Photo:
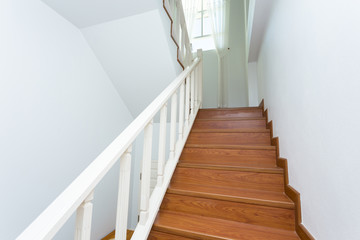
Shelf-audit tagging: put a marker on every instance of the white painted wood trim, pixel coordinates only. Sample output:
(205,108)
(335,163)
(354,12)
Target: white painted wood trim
(123,196)
(146,174)
(47,224)
(173,125)
(83,219)
(162,145)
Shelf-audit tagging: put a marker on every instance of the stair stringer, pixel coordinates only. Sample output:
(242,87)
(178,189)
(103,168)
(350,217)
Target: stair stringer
(291,192)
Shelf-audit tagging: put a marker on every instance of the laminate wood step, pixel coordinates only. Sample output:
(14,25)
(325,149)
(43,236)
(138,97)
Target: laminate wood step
(262,158)
(251,196)
(235,211)
(230,123)
(228,146)
(233,168)
(233,130)
(229,113)
(211,228)
(226,178)
(155,235)
(240,138)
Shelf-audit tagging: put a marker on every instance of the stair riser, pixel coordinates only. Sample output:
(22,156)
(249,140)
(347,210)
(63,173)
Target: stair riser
(230,138)
(231,157)
(205,114)
(235,179)
(234,211)
(213,124)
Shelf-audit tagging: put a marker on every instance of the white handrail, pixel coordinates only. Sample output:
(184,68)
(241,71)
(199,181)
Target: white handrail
(179,32)
(79,192)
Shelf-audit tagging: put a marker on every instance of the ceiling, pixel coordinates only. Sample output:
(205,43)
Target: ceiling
(84,13)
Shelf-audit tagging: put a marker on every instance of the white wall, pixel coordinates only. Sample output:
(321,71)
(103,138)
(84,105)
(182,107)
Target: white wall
(309,76)
(59,110)
(237,89)
(136,55)
(210,79)
(252,84)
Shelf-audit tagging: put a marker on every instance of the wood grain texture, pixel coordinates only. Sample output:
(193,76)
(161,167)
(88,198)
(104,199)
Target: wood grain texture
(252,180)
(251,196)
(229,113)
(229,123)
(211,228)
(247,138)
(235,211)
(155,235)
(111,235)
(229,157)
(233,168)
(223,146)
(229,182)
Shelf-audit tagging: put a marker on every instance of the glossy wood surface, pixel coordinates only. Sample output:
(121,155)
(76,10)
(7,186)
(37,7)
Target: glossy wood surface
(229,123)
(227,184)
(224,178)
(201,227)
(228,210)
(233,138)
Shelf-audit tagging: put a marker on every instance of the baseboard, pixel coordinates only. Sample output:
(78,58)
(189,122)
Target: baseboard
(294,195)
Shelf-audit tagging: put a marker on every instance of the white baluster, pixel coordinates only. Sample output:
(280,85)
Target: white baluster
(187,100)
(145,174)
(200,76)
(123,196)
(173,125)
(83,219)
(181,112)
(162,145)
(196,87)
(192,92)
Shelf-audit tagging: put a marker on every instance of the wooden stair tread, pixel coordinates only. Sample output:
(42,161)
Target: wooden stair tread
(226,178)
(265,198)
(229,146)
(230,123)
(212,228)
(230,119)
(225,113)
(234,157)
(156,235)
(234,130)
(233,109)
(225,138)
(233,168)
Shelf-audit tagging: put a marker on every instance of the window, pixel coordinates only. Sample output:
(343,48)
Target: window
(201,33)
(202,24)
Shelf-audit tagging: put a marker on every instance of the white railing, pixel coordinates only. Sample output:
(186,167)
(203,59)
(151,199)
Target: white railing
(179,31)
(79,195)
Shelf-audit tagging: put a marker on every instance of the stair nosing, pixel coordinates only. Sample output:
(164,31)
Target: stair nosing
(274,170)
(227,146)
(238,130)
(231,109)
(230,119)
(201,234)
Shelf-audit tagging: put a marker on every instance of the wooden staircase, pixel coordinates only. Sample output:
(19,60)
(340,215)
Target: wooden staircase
(227,184)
